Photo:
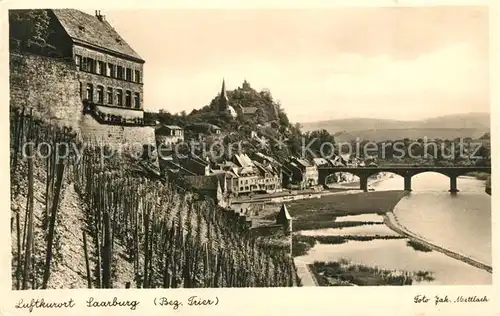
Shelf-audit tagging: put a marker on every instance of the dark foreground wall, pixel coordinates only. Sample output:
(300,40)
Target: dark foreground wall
(47,85)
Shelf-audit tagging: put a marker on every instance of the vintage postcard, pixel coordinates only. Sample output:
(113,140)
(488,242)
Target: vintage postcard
(326,160)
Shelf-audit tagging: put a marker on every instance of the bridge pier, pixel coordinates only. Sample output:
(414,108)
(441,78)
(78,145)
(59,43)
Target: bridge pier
(405,171)
(453,184)
(363,181)
(408,183)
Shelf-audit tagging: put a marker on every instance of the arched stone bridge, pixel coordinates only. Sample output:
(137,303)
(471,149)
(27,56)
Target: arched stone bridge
(406,172)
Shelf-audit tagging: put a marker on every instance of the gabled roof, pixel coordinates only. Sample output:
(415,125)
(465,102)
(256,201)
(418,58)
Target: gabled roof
(174,167)
(261,168)
(336,161)
(346,157)
(87,29)
(224,173)
(249,110)
(205,127)
(199,159)
(164,128)
(303,162)
(172,126)
(265,169)
(249,171)
(266,158)
(243,160)
(320,161)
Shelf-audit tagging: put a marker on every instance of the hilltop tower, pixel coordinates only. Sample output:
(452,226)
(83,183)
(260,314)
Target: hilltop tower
(246,85)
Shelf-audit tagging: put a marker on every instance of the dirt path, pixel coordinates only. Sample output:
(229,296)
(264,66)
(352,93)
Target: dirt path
(69,270)
(305,274)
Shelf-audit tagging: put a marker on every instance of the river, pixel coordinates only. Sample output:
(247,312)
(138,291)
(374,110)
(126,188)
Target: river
(460,223)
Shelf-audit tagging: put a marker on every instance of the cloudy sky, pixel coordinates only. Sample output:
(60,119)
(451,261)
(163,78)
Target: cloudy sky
(401,63)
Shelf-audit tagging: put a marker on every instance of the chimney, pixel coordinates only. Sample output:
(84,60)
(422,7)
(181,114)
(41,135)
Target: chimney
(99,16)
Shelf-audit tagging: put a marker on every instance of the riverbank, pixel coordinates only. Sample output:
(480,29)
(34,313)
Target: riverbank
(357,238)
(392,222)
(345,273)
(355,184)
(325,213)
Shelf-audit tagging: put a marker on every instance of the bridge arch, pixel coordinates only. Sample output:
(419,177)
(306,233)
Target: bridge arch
(417,172)
(407,172)
(333,175)
(399,177)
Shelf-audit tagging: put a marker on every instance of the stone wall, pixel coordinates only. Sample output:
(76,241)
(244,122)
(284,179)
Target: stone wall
(47,85)
(50,87)
(116,134)
(267,230)
(125,113)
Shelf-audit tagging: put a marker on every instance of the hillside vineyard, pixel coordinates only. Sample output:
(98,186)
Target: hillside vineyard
(128,229)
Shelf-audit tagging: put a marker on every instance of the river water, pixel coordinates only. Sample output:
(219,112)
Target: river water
(461,223)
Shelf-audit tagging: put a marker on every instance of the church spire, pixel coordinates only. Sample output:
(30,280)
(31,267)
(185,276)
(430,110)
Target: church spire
(223,99)
(223,90)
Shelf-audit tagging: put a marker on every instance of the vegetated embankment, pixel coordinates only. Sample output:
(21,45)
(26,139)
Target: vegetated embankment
(392,222)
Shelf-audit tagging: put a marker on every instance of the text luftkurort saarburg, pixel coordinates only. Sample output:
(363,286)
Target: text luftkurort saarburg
(92,302)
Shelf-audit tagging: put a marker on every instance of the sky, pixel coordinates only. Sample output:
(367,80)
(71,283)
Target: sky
(392,63)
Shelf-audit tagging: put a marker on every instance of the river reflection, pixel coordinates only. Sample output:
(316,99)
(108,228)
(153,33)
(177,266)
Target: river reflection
(364,230)
(461,223)
(396,255)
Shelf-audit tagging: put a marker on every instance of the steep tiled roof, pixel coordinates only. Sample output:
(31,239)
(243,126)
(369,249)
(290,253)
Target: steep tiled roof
(249,110)
(303,162)
(206,127)
(199,160)
(320,161)
(265,169)
(346,157)
(88,29)
(283,214)
(243,160)
(172,126)
(162,128)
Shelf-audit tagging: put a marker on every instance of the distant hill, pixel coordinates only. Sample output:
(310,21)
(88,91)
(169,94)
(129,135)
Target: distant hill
(445,127)
(413,133)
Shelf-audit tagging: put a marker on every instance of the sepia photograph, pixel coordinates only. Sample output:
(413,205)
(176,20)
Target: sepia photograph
(250,148)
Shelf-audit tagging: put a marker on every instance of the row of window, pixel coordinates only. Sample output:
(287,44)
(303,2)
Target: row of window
(256,180)
(113,96)
(176,132)
(266,187)
(107,69)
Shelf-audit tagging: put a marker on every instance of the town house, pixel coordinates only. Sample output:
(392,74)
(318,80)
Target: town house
(248,174)
(168,134)
(110,72)
(304,173)
(269,180)
(194,164)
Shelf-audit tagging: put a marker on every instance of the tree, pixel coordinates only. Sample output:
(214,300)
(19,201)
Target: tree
(29,25)
(485,136)
(323,143)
